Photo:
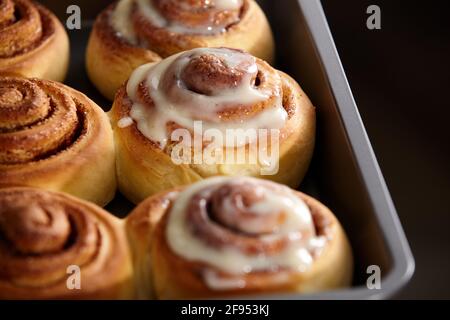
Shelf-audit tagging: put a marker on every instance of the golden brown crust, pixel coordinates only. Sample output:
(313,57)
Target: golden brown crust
(44,234)
(33,45)
(54,137)
(110,58)
(145,169)
(169,276)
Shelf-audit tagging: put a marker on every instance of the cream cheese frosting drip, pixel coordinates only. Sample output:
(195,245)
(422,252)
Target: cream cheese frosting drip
(189,17)
(237,226)
(214,85)
(121,20)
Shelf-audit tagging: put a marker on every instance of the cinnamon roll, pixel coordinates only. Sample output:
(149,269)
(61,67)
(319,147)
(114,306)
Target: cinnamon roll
(209,112)
(53,246)
(130,33)
(33,43)
(54,137)
(236,236)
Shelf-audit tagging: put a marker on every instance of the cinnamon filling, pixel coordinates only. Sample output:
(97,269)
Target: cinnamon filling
(226,216)
(195,13)
(150,23)
(41,235)
(24,26)
(209,75)
(37,120)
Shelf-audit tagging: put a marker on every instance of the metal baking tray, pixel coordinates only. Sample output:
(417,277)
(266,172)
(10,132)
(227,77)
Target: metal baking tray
(344,174)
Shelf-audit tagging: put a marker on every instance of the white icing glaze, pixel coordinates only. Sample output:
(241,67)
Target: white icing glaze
(227,4)
(149,11)
(296,257)
(213,280)
(152,122)
(125,122)
(122,22)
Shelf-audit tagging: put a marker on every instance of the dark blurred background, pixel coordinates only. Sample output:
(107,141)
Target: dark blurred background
(400,77)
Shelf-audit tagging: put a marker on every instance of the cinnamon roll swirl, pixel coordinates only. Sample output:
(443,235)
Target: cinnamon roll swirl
(46,237)
(54,137)
(130,33)
(233,236)
(33,43)
(209,112)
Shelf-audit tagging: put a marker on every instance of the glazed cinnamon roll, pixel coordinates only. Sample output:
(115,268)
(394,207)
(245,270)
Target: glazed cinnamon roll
(53,246)
(130,33)
(33,43)
(54,137)
(234,236)
(209,112)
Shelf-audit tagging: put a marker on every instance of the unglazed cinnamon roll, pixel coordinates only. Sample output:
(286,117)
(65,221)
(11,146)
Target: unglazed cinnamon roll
(33,43)
(130,33)
(46,237)
(54,137)
(235,236)
(209,112)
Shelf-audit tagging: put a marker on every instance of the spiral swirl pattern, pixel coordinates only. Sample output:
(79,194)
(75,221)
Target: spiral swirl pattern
(130,33)
(240,227)
(224,88)
(42,234)
(151,21)
(24,26)
(37,120)
(53,137)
